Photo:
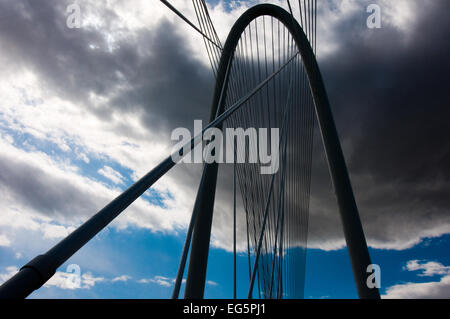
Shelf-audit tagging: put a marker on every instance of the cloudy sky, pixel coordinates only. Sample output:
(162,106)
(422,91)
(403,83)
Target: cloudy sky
(85,112)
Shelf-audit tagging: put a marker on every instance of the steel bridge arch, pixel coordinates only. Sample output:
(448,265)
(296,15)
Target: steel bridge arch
(37,271)
(353,231)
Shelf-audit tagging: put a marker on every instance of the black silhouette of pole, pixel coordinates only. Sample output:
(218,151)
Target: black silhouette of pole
(35,273)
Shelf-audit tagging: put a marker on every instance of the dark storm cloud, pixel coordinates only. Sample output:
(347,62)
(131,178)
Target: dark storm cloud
(390,95)
(34,35)
(169,87)
(50,195)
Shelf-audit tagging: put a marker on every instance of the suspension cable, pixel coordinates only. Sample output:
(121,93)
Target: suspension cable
(178,13)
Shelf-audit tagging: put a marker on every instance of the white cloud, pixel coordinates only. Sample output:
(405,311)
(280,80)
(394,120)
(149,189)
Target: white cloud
(402,14)
(71,281)
(10,271)
(435,289)
(122,278)
(167,281)
(83,157)
(159,280)
(89,280)
(430,268)
(4,241)
(428,290)
(56,231)
(111,174)
(211,283)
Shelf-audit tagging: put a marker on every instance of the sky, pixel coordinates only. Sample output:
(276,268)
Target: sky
(85,112)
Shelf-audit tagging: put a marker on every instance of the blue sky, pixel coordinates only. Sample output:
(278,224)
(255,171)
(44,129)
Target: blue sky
(132,260)
(85,112)
(143,256)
